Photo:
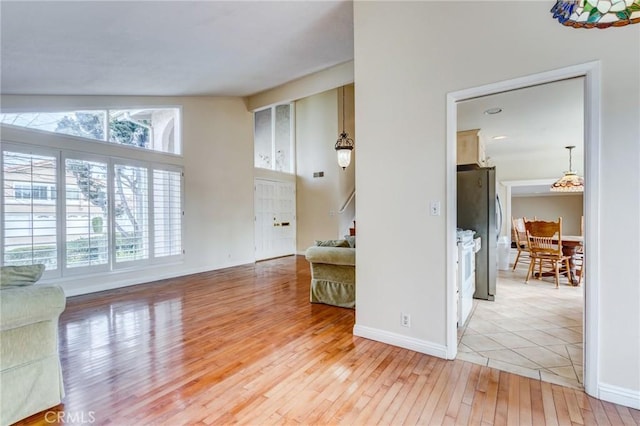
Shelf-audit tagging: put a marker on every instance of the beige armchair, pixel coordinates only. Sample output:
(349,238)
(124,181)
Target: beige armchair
(333,274)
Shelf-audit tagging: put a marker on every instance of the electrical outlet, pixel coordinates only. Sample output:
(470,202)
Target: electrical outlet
(405,320)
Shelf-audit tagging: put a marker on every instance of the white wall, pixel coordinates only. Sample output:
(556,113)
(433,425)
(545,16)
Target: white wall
(550,207)
(402,78)
(217,140)
(320,199)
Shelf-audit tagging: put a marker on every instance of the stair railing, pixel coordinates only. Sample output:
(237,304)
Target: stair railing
(347,214)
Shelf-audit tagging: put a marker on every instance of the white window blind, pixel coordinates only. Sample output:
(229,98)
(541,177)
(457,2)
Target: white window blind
(131,211)
(29,219)
(86,213)
(167,214)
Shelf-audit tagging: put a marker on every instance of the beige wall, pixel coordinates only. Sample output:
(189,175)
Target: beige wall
(569,207)
(316,198)
(217,139)
(402,78)
(320,199)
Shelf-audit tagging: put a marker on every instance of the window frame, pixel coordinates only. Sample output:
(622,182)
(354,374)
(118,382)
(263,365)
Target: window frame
(63,147)
(107,131)
(292,137)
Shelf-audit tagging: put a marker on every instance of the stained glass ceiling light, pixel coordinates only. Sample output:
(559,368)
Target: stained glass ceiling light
(596,13)
(570,182)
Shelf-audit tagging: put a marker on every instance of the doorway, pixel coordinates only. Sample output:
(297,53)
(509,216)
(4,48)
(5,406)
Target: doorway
(590,72)
(275,218)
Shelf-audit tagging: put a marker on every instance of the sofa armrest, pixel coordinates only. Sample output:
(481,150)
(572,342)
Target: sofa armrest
(332,255)
(21,306)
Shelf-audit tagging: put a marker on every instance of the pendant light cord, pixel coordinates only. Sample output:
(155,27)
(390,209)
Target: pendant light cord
(343,129)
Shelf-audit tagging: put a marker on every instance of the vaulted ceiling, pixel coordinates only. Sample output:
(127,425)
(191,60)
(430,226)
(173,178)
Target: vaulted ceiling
(224,48)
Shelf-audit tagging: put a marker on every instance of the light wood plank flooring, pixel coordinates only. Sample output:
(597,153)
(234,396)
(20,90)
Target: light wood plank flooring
(244,345)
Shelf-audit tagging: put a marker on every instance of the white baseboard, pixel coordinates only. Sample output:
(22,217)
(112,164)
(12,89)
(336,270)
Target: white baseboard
(618,395)
(400,340)
(148,277)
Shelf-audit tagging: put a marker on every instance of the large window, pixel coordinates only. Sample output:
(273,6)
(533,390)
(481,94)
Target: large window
(111,213)
(155,129)
(273,138)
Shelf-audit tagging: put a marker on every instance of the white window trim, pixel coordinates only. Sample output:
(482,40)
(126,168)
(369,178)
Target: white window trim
(61,146)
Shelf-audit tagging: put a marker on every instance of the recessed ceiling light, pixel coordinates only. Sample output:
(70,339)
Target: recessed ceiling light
(492,111)
(497,138)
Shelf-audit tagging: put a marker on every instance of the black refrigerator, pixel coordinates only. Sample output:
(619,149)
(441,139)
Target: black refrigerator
(479,210)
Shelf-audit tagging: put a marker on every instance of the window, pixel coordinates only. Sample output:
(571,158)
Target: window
(111,212)
(86,213)
(273,138)
(131,213)
(35,192)
(155,129)
(167,214)
(29,228)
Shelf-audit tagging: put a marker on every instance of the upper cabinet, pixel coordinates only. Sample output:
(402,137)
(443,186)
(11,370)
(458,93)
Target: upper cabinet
(471,148)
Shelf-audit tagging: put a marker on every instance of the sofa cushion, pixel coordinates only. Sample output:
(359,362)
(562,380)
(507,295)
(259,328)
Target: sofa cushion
(332,255)
(20,275)
(332,243)
(351,239)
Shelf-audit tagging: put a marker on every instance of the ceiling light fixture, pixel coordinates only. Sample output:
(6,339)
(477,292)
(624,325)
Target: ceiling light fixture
(596,13)
(344,145)
(498,138)
(570,182)
(493,111)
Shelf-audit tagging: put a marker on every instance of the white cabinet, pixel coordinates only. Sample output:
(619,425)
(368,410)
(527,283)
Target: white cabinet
(471,148)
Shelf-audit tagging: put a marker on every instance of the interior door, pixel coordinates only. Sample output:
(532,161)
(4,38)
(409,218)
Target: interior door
(275,218)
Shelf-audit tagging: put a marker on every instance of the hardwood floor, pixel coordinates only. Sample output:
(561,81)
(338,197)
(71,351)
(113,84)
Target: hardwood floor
(244,345)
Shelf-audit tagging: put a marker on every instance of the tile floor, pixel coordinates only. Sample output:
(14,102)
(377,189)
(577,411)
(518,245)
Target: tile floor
(534,329)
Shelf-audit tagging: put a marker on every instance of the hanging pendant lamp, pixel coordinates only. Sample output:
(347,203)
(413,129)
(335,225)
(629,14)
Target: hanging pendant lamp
(596,13)
(570,182)
(344,144)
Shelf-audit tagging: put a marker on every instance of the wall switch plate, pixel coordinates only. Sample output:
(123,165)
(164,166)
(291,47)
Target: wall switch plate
(434,208)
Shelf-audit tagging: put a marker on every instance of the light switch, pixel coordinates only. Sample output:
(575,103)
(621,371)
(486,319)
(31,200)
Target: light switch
(434,208)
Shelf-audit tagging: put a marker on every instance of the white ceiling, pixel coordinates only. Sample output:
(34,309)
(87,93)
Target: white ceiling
(225,48)
(546,117)
(236,48)
(536,124)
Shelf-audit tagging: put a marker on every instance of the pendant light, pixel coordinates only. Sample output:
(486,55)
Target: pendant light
(570,182)
(344,145)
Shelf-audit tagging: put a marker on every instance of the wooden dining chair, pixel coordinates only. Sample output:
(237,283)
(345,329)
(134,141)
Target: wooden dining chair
(545,246)
(578,258)
(519,238)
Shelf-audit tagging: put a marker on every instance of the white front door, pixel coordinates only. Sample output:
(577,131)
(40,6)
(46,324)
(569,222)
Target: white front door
(275,218)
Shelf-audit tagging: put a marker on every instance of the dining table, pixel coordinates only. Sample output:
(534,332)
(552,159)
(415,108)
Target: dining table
(570,246)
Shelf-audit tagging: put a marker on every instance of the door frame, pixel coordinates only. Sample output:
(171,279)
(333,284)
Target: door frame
(591,71)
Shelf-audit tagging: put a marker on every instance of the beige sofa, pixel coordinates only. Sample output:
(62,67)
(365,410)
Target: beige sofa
(333,274)
(30,373)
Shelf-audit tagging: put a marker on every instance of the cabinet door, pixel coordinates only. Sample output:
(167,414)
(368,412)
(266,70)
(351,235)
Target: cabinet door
(470,148)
